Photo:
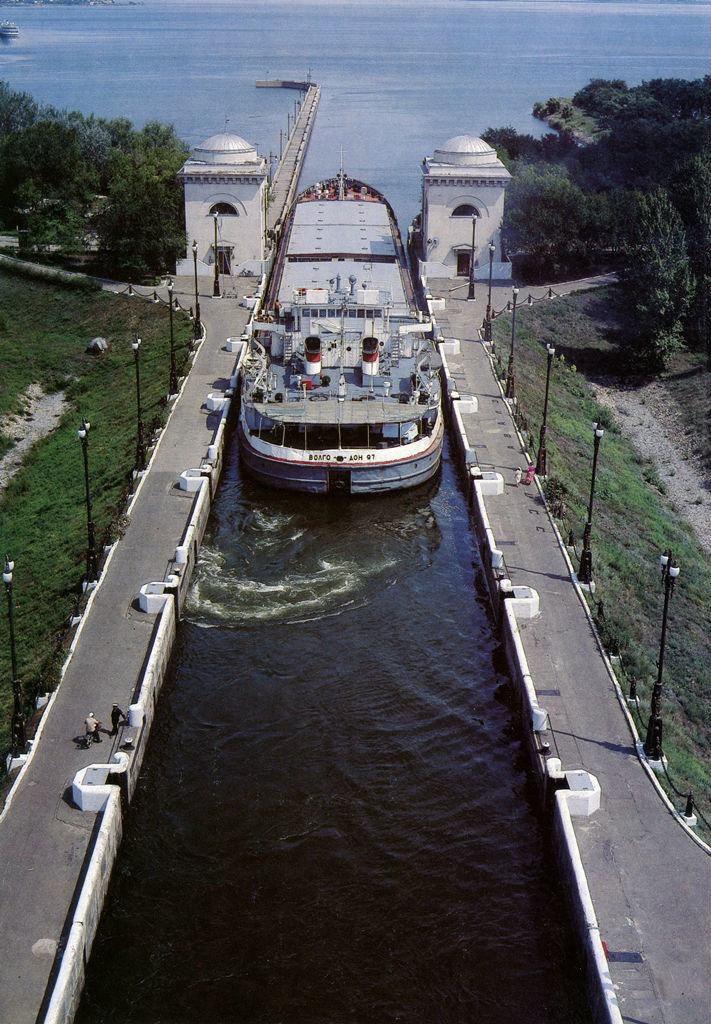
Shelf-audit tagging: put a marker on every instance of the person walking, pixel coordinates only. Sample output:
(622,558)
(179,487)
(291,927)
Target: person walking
(91,729)
(116,716)
(517,476)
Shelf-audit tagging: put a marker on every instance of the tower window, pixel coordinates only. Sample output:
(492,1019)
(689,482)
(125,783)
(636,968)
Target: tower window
(465,210)
(223,210)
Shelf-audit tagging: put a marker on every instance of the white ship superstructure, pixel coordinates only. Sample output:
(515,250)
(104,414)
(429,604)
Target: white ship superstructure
(341,386)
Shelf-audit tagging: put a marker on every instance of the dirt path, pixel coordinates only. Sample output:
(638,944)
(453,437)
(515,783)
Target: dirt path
(40,416)
(652,423)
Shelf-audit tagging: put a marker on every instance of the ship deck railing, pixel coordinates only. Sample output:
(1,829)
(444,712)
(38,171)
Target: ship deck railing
(325,411)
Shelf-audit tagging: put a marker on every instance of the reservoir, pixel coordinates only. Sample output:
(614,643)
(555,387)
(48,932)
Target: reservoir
(333,821)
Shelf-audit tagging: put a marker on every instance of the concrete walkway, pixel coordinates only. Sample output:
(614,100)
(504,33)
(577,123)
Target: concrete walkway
(649,881)
(44,839)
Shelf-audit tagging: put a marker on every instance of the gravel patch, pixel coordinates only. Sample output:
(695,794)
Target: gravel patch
(41,414)
(651,422)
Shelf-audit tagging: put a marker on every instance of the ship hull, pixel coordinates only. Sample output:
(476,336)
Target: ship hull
(323,474)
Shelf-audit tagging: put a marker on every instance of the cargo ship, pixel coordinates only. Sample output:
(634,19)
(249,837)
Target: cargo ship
(340,380)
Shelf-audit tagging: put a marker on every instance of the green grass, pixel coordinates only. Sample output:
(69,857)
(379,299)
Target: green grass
(574,119)
(632,521)
(43,336)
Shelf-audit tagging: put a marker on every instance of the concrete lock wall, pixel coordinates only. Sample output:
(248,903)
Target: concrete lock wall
(70,979)
(507,602)
(69,983)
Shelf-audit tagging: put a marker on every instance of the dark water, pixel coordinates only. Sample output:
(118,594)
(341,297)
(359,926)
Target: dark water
(398,76)
(333,822)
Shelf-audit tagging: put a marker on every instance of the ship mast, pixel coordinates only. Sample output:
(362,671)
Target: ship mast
(341,187)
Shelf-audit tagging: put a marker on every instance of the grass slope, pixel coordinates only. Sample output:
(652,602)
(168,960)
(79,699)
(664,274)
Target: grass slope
(632,521)
(44,330)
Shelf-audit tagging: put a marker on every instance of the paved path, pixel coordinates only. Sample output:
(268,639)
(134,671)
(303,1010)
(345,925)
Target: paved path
(649,881)
(44,840)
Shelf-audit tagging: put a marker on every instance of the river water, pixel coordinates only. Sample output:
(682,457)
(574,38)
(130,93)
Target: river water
(398,76)
(334,821)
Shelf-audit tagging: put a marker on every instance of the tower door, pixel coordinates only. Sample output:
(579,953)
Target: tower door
(463,259)
(224,259)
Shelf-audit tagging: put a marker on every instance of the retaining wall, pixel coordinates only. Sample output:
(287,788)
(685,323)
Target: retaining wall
(565,792)
(69,984)
(70,980)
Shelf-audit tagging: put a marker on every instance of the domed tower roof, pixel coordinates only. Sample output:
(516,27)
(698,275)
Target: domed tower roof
(465,151)
(225,148)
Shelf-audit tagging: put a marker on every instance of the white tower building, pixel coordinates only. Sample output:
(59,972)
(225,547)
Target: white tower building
(463,180)
(225,183)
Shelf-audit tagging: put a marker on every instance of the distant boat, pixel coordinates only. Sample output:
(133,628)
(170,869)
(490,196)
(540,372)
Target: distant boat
(8,29)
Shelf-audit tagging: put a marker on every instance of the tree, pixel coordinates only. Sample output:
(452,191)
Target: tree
(545,216)
(691,193)
(17,110)
(140,225)
(656,279)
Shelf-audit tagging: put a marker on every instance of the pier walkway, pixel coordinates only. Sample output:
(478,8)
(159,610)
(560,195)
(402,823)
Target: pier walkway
(649,880)
(286,177)
(44,839)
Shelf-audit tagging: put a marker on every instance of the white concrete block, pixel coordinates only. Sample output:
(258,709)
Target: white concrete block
(583,797)
(215,401)
(468,403)
(190,480)
(450,346)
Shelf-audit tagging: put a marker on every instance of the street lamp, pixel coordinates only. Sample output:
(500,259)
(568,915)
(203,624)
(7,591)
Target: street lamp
(83,435)
(173,384)
(585,570)
(510,380)
(487,322)
(196,326)
(653,742)
(140,443)
(18,713)
(471,261)
(216,282)
(542,458)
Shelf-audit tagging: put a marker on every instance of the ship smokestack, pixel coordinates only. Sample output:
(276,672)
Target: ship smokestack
(370,362)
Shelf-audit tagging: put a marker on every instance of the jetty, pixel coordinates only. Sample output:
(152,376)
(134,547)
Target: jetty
(288,172)
(637,877)
(281,83)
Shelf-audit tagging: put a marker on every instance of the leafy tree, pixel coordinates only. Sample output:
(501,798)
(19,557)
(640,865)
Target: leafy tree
(602,98)
(511,145)
(17,110)
(546,216)
(691,193)
(656,278)
(46,155)
(140,225)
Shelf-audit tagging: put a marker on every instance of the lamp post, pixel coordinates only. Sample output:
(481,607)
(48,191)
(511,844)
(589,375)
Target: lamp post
(510,379)
(216,282)
(653,742)
(470,294)
(585,570)
(542,457)
(487,323)
(197,328)
(83,435)
(18,713)
(173,383)
(140,443)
